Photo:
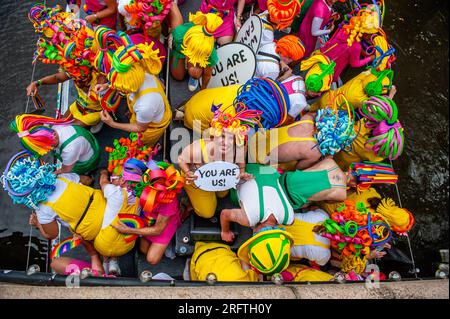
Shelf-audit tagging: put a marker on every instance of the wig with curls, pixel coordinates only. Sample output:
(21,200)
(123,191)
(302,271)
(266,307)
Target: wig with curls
(283,12)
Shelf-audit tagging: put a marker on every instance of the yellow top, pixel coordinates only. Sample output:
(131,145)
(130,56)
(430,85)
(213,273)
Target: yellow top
(71,205)
(302,233)
(304,273)
(218,259)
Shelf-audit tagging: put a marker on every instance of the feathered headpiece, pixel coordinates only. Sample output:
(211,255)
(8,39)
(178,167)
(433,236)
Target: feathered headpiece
(239,124)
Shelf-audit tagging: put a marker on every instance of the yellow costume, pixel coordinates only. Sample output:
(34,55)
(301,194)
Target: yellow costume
(308,244)
(358,151)
(354,90)
(203,202)
(155,130)
(109,242)
(87,107)
(199,106)
(85,217)
(299,273)
(218,259)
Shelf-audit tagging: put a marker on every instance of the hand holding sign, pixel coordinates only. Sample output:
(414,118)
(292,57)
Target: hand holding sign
(217,176)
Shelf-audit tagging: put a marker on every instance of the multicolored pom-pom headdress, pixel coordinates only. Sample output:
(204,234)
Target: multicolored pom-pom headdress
(387,139)
(366,21)
(28,180)
(283,12)
(238,124)
(64,40)
(335,127)
(124,63)
(143,13)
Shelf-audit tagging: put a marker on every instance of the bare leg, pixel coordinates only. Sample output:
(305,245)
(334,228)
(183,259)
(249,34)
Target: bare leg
(179,72)
(155,253)
(144,245)
(207,73)
(224,40)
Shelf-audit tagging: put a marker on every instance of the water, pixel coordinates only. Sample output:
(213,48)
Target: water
(417,29)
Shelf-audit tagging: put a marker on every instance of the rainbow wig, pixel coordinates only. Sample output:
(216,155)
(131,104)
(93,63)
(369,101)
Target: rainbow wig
(65,41)
(268,96)
(290,46)
(366,21)
(143,13)
(320,72)
(28,180)
(400,219)
(387,139)
(239,124)
(34,132)
(283,12)
(198,42)
(125,63)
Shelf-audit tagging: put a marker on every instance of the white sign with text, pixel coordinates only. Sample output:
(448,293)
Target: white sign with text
(236,65)
(250,33)
(217,176)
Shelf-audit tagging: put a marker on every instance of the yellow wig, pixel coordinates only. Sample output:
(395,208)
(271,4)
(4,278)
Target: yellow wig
(320,74)
(129,65)
(198,42)
(399,219)
(366,21)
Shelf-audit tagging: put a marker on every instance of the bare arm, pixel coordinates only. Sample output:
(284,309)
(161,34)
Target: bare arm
(65,169)
(104,179)
(47,80)
(236,215)
(127,127)
(50,230)
(174,17)
(111,9)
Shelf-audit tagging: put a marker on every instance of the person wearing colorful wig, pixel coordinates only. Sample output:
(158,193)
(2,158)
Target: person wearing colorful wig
(67,42)
(131,70)
(278,15)
(379,134)
(344,48)
(231,19)
(74,146)
(366,84)
(144,21)
(319,75)
(270,198)
(101,12)
(275,58)
(302,143)
(193,49)
(314,24)
(87,212)
(227,139)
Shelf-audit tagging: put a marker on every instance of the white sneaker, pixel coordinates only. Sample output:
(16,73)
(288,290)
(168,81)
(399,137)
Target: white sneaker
(113,267)
(186,271)
(96,128)
(192,84)
(179,116)
(105,265)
